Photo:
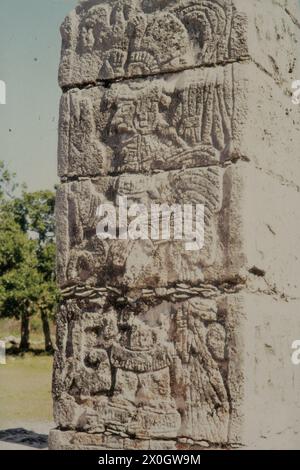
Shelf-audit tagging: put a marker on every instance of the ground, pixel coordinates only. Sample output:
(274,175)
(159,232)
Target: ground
(25,396)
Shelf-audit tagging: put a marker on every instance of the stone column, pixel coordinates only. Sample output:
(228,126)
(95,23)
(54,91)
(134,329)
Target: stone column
(159,347)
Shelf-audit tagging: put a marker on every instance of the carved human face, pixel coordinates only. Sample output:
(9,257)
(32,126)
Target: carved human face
(87,37)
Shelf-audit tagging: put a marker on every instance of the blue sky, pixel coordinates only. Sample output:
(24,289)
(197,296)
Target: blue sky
(29,56)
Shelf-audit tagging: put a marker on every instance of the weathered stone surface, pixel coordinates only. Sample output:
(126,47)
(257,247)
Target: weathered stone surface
(177,369)
(108,40)
(143,334)
(84,258)
(105,40)
(267,125)
(176,121)
(155,369)
(159,347)
(265,210)
(190,119)
(71,440)
(250,237)
(264,383)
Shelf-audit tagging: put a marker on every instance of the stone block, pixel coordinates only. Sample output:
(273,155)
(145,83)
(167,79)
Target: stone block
(191,119)
(264,382)
(251,231)
(83,258)
(190,370)
(265,214)
(141,126)
(151,369)
(106,40)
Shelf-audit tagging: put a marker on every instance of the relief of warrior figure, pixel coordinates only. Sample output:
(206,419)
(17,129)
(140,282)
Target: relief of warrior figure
(205,404)
(142,363)
(140,128)
(130,370)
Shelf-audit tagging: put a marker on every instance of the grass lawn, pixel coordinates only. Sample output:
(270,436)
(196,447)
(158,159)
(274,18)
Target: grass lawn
(25,390)
(25,380)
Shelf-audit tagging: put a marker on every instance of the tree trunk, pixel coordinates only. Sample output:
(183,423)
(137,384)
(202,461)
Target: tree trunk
(24,344)
(47,334)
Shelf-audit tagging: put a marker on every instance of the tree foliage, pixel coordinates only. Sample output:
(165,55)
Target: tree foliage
(27,256)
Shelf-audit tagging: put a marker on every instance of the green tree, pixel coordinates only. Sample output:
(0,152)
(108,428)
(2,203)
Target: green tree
(34,213)
(8,183)
(19,276)
(27,256)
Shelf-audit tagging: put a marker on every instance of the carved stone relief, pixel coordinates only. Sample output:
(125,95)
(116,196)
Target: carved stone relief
(174,103)
(150,369)
(125,38)
(178,121)
(84,258)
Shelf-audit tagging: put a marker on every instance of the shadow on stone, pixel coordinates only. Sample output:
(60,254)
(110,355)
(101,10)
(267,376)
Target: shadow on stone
(24,437)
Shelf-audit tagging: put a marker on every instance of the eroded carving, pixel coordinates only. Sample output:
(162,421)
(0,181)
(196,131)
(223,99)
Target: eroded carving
(153,339)
(145,370)
(124,38)
(141,262)
(161,124)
